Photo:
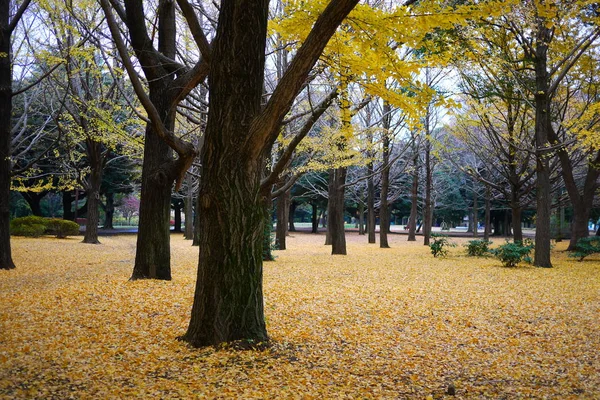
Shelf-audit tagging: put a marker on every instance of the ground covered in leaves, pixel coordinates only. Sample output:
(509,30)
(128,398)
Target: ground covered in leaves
(378,323)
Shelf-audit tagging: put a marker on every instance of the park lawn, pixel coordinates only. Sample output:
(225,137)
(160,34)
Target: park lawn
(378,323)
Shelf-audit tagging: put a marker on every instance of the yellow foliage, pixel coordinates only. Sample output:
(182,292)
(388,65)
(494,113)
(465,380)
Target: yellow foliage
(393,323)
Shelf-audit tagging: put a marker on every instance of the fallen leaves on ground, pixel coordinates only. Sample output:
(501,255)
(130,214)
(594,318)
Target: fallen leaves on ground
(378,323)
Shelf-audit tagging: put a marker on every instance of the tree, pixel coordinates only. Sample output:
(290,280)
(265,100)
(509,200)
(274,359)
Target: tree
(7,27)
(228,303)
(168,82)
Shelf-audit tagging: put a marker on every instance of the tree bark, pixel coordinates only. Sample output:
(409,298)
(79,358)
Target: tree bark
(542,126)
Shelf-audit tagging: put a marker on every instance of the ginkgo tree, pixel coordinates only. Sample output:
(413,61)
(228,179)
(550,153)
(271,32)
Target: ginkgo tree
(10,15)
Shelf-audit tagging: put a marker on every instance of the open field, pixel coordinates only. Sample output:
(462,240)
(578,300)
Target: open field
(378,323)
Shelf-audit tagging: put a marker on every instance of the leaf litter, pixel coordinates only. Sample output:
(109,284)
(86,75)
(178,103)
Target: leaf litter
(378,323)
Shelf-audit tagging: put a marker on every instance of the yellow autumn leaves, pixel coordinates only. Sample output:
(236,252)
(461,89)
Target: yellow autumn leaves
(392,323)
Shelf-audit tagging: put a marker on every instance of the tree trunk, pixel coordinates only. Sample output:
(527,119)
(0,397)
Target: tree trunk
(516,223)
(315,217)
(177,208)
(488,227)
(412,219)
(6,261)
(67,200)
(283,209)
(92,190)
(291,213)
(336,217)
(475,211)
(93,217)
(542,126)
(361,218)
(34,201)
(109,211)
(188,212)
(384,212)
(196,240)
(228,302)
(427,212)
(370,195)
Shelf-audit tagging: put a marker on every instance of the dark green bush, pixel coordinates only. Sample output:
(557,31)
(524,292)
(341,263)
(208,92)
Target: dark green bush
(478,248)
(31,226)
(61,228)
(512,253)
(439,245)
(585,247)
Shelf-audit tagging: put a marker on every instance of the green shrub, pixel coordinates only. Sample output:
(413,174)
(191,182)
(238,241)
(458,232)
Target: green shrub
(33,226)
(30,226)
(62,228)
(478,248)
(512,253)
(439,245)
(585,247)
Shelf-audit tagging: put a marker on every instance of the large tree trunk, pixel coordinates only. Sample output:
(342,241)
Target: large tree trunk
(542,127)
(336,211)
(153,256)
(283,210)
(228,302)
(6,261)
(109,211)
